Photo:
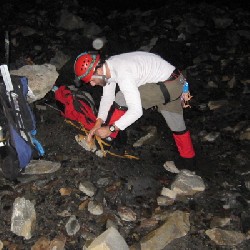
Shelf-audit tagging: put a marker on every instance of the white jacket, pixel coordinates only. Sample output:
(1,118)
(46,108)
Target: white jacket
(129,71)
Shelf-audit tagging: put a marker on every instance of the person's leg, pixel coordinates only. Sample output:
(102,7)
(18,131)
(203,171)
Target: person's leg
(181,135)
(173,115)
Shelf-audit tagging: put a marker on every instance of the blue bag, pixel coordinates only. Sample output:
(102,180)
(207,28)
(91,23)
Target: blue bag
(19,127)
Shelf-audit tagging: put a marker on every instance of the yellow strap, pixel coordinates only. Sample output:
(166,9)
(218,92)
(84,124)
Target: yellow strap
(101,142)
(124,156)
(78,126)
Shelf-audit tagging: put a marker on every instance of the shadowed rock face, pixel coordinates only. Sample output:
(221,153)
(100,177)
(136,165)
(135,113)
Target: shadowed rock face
(209,42)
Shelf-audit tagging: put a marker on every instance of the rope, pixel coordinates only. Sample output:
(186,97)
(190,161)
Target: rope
(101,142)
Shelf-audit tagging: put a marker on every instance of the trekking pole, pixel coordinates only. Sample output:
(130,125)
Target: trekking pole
(7,47)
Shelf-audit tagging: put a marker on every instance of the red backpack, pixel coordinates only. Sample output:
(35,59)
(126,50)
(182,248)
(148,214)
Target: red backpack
(77,106)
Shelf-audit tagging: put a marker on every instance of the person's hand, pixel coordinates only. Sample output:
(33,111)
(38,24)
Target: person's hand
(185,98)
(98,124)
(91,134)
(103,132)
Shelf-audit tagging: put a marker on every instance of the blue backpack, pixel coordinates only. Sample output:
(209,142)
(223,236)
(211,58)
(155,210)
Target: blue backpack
(18,125)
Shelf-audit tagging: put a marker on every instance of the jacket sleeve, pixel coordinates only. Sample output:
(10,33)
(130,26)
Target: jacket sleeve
(107,99)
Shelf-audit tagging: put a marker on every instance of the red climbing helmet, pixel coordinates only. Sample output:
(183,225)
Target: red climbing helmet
(84,66)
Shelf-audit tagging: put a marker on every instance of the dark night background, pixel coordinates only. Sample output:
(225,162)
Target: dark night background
(216,60)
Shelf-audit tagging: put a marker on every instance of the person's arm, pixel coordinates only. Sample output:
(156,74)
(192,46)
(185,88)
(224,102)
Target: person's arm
(132,97)
(133,113)
(105,104)
(107,100)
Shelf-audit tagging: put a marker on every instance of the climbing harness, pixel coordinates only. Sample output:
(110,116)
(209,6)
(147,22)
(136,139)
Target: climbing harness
(185,95)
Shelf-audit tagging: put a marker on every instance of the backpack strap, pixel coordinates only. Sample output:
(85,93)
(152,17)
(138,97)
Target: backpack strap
(20,85)
(164,91)
(176,73)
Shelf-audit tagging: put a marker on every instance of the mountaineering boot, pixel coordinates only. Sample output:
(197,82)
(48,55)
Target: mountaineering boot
(185,147)
(185,163)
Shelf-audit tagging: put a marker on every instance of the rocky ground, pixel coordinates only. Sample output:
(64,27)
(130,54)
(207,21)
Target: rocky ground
(210,43)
